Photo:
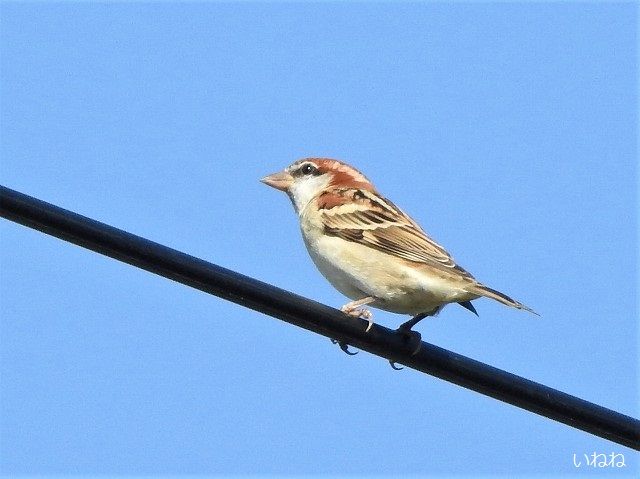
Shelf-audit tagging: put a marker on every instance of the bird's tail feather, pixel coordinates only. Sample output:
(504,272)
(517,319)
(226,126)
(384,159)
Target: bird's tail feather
(483,290)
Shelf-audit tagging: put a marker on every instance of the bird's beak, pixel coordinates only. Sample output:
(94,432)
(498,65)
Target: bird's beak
(280,181)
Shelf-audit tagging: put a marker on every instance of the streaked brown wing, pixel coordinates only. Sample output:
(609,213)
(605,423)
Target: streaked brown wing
(363,217)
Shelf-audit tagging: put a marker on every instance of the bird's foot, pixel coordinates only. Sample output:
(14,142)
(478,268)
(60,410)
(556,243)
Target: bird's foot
(411,338)
(344,346)
(360,313)
(354,310)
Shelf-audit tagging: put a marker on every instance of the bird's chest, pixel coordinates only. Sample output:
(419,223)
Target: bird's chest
(333,262)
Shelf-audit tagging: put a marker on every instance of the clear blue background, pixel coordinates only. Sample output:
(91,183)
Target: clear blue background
(509,131)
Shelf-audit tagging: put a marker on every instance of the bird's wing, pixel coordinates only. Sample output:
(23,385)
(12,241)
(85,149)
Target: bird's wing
(366,218)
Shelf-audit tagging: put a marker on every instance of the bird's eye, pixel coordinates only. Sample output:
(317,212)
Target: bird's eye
(308,169)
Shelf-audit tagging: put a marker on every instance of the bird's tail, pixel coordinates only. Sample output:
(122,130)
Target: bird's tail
(483,290)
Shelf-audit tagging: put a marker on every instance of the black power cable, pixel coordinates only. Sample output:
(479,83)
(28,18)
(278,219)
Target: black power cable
(318,317)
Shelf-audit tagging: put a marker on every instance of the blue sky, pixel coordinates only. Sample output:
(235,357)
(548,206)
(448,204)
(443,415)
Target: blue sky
(509,131)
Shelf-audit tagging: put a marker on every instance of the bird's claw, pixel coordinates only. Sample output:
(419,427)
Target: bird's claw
(360,313)
(369,326)
(393,365)
(344,346)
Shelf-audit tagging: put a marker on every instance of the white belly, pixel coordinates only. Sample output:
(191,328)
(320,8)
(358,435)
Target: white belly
(358,271)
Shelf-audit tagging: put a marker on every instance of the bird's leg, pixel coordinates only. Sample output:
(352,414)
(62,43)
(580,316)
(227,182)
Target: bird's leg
(406,327)
(352,310)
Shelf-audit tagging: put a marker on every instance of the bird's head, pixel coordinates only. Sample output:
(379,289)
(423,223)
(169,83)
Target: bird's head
(307,178)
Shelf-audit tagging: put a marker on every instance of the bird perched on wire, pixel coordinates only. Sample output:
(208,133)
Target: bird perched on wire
(370,250)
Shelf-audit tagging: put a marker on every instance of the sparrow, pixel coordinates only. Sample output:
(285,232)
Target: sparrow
(370,250)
